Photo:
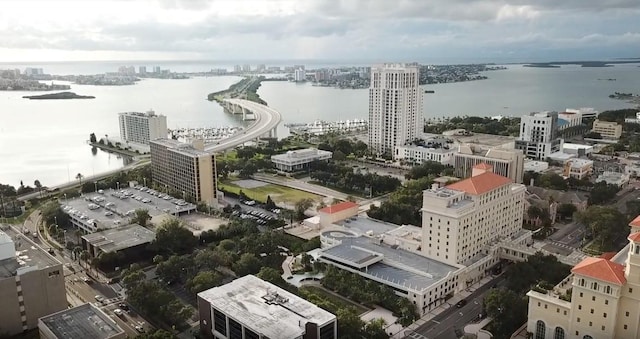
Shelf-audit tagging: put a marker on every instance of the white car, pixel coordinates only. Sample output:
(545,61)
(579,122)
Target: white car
(118,312)
(99,298)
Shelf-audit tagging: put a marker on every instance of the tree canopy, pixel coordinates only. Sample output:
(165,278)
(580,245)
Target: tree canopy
(605,224)
(172,237)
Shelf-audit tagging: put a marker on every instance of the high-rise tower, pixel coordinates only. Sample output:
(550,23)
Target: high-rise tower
(395,107)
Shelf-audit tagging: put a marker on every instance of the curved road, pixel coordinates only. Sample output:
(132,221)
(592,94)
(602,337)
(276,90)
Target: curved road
(266,120)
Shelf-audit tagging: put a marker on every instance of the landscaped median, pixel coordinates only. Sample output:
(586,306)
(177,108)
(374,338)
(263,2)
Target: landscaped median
(258,191)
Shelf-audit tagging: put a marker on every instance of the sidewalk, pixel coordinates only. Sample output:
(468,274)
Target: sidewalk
(449,303)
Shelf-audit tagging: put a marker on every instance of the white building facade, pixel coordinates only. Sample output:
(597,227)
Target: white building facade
(142,127)
(539,135)
(395,107)
(505,162)
(419,154)
(299,159)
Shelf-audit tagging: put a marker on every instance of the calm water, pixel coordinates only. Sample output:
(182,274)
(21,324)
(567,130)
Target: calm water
(46,140)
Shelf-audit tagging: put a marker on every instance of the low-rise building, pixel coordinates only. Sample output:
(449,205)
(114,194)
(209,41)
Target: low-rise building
(252,308)
(586,113)
(505,162)
(300,159)
(127,239)
(577,149)
(535,166)
(603,301)
(607,129)
(578,168)
(571,119)
(614,178)
(331,214)
(81,322)
(31,284)
(415,154)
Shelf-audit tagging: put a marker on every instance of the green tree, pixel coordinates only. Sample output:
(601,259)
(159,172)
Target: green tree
(606,225)
(157,334)
(507,309)
(269,204)
(204,280)
(566,211)
(79,177)
(374,329)
(301,207)
(141,216)
(248,264)
(172,237)
(92,138)
(38,186)
(349,323)
(427,168)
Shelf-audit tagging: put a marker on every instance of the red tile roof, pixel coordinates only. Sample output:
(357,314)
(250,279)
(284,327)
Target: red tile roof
(484,166)
(601,269)
(338,207)
(635,237)
(607,255)
(635,222)
(481,183)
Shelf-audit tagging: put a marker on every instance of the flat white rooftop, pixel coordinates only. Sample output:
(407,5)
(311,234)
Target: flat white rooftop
(265,308)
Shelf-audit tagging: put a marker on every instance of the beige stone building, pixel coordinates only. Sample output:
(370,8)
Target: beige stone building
(184,168)
(607,129)
(604,301)
(31,284)
(505,162)
(461,219)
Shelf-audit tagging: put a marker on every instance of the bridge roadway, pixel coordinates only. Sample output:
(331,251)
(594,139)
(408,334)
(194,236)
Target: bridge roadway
(266,120)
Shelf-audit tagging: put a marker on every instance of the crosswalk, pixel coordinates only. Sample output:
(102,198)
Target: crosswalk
(559,244)
(416,335)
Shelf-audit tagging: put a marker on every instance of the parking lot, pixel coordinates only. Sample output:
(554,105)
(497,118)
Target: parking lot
(110,208)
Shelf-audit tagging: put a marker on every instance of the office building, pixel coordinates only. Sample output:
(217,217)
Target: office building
(300,75)
(142,127)
(459,220)
(31,284)
(606,129)
(539,135)
(185,168)
(299,159)
(157,70)
(246,68)
(599,300)
(395,107)
(251,308)
(586,113)
(569,119)
(261,68)
(81,322)
(578,168)
(142,70)
(505,162)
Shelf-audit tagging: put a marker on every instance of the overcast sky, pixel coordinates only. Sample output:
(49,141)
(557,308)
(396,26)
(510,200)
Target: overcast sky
(375,30)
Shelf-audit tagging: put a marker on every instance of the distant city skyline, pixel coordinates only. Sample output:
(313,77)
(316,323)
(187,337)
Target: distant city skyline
(368,30)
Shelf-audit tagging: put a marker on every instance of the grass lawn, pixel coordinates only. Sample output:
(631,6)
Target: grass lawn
(277,193)
(341,302)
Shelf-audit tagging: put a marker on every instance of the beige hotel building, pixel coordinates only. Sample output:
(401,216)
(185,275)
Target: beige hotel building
(184,168)
(604,299)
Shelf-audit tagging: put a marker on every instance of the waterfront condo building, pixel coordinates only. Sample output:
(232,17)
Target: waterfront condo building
(184,168)
(539,135)
(142,127)
(395,107)
(505,162)
(599,300)
(252,308)
(31,284)
(460,220)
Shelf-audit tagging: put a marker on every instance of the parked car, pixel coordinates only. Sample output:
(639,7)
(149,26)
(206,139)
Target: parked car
(99,298)
(118,312)
(461,303)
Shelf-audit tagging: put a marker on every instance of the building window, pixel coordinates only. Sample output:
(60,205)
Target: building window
(327,332)
(630,290)
(592,311)
(604,315)
(235,330)
(625,327)
(606,302)
(581,294)
(558,333)
(541,330)
(593,298)
(626,314)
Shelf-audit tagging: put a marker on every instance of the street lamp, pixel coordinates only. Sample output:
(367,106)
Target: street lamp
(145,181)
(118,185)
(96,185)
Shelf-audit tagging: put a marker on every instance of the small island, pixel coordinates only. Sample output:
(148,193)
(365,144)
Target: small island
(61,95)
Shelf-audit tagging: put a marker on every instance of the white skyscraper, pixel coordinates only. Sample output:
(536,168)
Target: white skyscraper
(142,127)
(395,106)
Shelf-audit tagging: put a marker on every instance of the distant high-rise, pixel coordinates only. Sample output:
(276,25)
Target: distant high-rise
(142,127)
(246,68)
(539,135)
(395,106)
(142,69)
(237,68)
(156,69)
(300,75)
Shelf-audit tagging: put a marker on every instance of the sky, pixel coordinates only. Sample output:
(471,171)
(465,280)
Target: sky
(371,30)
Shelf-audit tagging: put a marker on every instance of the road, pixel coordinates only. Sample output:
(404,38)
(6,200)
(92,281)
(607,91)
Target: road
(71,184)
(266,119)
(443,325)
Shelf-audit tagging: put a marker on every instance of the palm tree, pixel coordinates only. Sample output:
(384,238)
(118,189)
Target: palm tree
(38,185)
(76,251)
(79,176)
(84,255)
(78,234)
